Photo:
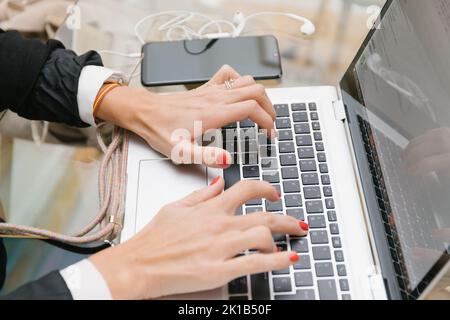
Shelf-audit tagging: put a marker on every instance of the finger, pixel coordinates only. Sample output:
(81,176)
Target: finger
(412,155)
(225,73)
(241,111)
(259,263)
(187,152)
(277,223)
(245,191)
(241,82)
(257,238)
(256,92)
(205,194)
(431,164)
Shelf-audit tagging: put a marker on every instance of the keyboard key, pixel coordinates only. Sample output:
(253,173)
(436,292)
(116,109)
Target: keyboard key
(282,284)
(332,216)
(248,146)
(318,136)
(301,128)
(317,221)
(342,272)
(312,192)
(248,133)
(314,116)
(323,167)
(343,283)
(327,289)
(264,140)
(329,203)
(250,171)
(255,202)
(315,126)
(321,157)
(250,210)
(336,242)
(304,263)
(283,123)
(289,173)
(285,135)
(320,146)
(327,192)
(346,297)
(231,126)
(300,117)
(306,153)
(260,286)
(238,211)
(298,107)
(239,298)
(282,110)
(238,286)
(274,206)
(288,160)
(334,229)
(299,295)
(309,179)
(304,140)
(296,213)
(303,279)
(299,245)
(292,186)
(308,166)
(269,164)
(249,158)
(247,124)
(314,207)
(321,253)
(324,269)
(339,256)
(232,175)
(325,179)
(271,177)
(286,147)
(267,152)
(278,237)
(319,237)
(293,200)
(277,187)
(312,106)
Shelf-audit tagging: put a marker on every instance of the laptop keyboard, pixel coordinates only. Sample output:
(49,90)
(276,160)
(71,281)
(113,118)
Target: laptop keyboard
(296,165)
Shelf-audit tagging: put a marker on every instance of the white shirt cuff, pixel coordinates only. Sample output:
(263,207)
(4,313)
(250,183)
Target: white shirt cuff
(85,282)
(91,81)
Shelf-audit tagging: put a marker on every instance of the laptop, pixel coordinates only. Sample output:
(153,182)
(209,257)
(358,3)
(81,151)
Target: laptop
(359,162)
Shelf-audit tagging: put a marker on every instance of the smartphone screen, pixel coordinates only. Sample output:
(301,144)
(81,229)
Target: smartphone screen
(196,61)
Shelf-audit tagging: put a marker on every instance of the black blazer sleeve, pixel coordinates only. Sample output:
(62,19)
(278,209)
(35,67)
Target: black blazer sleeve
(49,287)
(40,81)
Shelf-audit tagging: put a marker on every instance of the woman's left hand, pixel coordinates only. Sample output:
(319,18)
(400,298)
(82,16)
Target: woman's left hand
(172,124)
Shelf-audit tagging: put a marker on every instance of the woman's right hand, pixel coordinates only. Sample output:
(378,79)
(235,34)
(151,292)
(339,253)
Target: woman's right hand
(194,244)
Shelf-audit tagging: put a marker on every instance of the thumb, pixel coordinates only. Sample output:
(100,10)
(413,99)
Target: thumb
(187,152)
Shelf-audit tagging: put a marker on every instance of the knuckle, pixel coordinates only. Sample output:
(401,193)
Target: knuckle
(263,233)
(249,79)
(270,220)
(260,89)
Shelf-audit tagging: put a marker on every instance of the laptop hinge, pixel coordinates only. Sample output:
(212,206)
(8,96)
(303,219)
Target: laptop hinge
(376,283)
(339,110)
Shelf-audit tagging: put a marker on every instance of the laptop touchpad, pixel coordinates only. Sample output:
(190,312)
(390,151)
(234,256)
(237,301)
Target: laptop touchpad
(161,182)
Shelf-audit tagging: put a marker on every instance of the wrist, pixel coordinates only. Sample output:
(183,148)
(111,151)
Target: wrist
(121,278)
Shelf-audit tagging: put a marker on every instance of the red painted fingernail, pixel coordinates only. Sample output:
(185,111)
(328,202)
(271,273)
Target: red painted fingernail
(222,160)
(215,181)
(304,225)
(294,257)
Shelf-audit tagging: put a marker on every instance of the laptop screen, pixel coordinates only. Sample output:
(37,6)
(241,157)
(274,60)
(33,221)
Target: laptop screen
(398,89)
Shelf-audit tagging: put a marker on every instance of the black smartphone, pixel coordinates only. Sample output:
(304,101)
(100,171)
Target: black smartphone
(196,61)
